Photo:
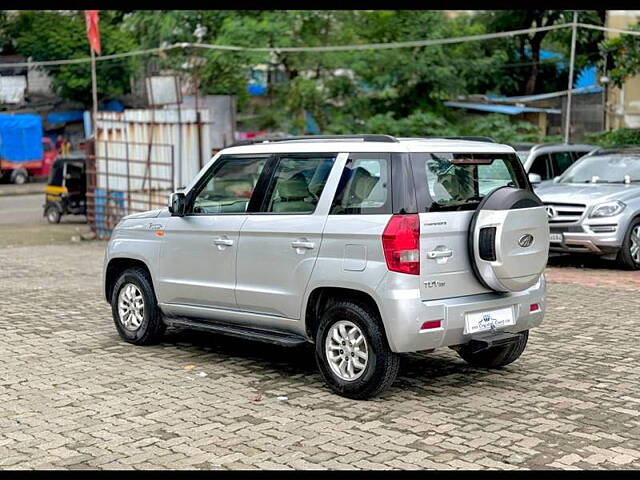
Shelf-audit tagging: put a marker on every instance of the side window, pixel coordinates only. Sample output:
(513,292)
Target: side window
(539,166)
(229,186)
(364,185)
(561,161)
(297,183)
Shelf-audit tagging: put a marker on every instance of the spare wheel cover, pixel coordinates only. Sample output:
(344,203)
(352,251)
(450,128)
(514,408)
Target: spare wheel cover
(509,240)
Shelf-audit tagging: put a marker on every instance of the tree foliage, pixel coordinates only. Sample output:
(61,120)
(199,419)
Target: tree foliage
(48,35)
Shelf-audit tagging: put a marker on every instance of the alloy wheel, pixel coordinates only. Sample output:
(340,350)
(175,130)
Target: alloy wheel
(346,350)
(634,249)
(130,307)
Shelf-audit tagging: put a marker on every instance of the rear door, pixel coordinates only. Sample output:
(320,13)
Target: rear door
(449,186)
(279,243)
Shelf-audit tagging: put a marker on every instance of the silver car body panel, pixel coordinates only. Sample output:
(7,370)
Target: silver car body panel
(260,280)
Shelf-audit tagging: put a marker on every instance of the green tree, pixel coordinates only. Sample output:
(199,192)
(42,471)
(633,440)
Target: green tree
(621,57)
(49,35)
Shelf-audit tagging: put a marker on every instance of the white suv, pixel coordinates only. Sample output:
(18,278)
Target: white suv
(367,246)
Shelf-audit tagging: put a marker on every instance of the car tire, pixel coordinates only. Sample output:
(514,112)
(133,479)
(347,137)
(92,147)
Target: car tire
(53,214)
(381,365)
(19,177)
(495,357)
(142,326)
(625,257)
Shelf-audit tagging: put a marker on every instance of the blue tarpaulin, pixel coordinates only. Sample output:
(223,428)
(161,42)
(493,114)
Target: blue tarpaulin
(504,109)
(65,117)
(20,137)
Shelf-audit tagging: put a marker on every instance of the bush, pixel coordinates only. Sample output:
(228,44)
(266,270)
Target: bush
(615,138)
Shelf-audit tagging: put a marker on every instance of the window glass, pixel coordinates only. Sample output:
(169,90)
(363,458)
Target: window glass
(230,186)
(604,168)
(297,184)
(460,179)
(539,166)
(561,161)
(364,186)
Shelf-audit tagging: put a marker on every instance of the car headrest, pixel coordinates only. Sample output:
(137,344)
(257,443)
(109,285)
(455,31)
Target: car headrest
(362,183)
(294,188)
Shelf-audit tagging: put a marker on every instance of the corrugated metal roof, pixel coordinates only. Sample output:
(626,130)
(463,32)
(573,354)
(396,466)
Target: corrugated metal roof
(504,109)
(544,96)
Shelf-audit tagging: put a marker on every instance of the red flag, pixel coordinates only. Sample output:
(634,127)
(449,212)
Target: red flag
(93,34)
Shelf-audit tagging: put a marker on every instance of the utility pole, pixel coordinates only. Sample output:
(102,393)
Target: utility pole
(567,123)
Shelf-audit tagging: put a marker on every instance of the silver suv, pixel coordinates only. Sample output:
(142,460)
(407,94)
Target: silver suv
(366,246)
(594,207)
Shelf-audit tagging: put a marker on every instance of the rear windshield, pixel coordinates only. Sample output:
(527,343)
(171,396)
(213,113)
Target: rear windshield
(459,181)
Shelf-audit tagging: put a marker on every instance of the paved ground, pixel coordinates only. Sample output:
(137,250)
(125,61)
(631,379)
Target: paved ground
(74,396)
(22,222)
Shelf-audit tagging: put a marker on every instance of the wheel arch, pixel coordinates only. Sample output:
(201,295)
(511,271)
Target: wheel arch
(118,265)
(321,297)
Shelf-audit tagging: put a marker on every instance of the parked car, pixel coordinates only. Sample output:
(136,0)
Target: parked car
(544,162)
(366,246)
(594,207)
(24,151)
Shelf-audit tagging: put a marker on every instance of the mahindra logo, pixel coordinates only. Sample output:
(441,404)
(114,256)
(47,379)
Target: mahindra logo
(525,240)
(551,212)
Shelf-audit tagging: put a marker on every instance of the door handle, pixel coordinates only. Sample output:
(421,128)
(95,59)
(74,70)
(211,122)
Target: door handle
(223,241)
(300,244)
(439,253)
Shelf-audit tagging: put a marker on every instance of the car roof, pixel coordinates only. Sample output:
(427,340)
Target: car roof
(633,150)
(401,145)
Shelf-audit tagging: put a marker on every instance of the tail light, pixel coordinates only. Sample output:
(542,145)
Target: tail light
(401,244)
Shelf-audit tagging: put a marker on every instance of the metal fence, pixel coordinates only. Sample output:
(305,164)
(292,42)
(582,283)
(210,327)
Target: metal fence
(138,158)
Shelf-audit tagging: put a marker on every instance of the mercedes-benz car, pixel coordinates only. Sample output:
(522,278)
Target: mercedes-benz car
(594,207)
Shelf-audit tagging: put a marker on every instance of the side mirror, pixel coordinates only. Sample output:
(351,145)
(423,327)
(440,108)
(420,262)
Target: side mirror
(177,204)
(556,179)
(534,178)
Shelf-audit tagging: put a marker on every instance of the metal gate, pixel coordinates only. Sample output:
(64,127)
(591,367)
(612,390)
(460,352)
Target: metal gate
(138,158)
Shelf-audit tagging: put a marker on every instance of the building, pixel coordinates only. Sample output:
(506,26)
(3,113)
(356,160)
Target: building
(623,104)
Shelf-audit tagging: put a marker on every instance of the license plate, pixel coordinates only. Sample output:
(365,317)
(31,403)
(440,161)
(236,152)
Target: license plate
(555,237)
(481,321)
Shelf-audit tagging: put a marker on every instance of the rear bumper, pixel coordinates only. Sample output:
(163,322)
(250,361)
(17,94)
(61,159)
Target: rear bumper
(404,313)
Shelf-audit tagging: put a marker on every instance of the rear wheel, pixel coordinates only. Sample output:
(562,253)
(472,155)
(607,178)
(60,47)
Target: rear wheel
(352,351)
(495,357)
(53,214)
(629,255)
(135,309)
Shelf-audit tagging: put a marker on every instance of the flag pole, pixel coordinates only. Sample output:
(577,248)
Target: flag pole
(94,90)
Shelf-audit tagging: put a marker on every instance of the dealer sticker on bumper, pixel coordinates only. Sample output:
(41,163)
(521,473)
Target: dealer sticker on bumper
(493,319)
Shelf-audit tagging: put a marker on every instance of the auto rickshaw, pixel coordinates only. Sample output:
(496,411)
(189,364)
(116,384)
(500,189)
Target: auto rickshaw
(66,191)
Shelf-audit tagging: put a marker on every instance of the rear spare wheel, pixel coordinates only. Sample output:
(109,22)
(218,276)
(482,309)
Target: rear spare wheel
(509,239)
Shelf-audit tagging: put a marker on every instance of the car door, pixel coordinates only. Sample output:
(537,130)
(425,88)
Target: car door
(197,266)
(279,243)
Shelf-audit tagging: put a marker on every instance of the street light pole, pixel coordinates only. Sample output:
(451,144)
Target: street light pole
(567,122)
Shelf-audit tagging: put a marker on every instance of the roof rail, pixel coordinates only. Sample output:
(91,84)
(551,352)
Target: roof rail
(472,138)
(364,138)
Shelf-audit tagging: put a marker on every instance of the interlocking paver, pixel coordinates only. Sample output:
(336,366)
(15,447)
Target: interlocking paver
(75,396)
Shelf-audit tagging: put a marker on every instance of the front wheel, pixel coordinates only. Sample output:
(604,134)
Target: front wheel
(629,255)
(19,177)
(496,357)
(135,309)
(352,352)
